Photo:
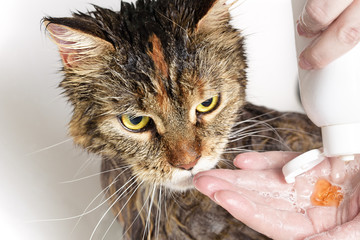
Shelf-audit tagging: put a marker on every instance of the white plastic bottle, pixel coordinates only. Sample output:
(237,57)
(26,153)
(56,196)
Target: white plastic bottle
(331,99)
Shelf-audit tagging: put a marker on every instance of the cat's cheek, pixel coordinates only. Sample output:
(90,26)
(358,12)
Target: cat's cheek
(212,149)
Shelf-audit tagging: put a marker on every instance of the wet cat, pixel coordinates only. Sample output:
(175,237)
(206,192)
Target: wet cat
(158,90)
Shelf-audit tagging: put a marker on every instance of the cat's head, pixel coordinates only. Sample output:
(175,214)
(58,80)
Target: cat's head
(156,87)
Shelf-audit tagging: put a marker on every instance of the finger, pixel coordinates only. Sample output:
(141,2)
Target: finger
(274,223)
(349,230)
(260,181)
(284,200)
(208,185)
(338,39)
(319,14)
(266,160)
(225,174)
(323,218)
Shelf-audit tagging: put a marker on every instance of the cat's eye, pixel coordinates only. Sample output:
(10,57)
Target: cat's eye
(135,124)
(208,105)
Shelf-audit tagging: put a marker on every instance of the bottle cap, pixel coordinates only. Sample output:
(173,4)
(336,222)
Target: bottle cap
(301,164)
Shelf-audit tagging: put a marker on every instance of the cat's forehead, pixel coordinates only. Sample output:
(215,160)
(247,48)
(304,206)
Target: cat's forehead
(171,76)
(157,56)
(165,73)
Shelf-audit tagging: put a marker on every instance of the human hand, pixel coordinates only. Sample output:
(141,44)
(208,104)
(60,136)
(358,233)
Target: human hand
(337,24)
(258,196)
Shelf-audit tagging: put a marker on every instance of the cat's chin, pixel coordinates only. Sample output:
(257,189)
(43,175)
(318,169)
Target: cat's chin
(182,180)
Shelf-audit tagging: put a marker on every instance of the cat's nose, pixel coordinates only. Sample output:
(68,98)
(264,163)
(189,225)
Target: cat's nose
(184,155)
(189,166)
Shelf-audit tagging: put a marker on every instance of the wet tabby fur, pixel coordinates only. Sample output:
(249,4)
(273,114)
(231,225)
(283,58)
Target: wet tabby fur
(161,59)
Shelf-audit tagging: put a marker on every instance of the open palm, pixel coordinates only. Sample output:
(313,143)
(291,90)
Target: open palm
(259,196)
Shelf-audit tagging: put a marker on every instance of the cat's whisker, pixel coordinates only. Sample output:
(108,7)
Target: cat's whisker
(255,121)
(158,217)
(255,125)
(249,132)
(247,129)
(76,216)
(47,148)
(267,127)
(238,151)
(89,211)
(254,134)
(94,175)
(137,216)
(114,202)
(257,117)
(88,206)
(242,147)
(174,196)
(118,214)
(102,193)
(281,141)
(85,165)
(165,206)
(115,180)
(296,131)
(230,166)
(253,129)
(147,227)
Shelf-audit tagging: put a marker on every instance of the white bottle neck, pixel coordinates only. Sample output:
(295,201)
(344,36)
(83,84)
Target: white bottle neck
(341,140)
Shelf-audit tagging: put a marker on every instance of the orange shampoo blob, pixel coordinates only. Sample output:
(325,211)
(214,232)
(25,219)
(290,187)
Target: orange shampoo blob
(326,194)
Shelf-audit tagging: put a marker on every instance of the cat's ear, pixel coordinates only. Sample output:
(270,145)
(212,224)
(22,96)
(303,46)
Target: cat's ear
(77,40)
(216,17)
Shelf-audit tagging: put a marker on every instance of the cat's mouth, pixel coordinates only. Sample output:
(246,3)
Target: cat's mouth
(182,180)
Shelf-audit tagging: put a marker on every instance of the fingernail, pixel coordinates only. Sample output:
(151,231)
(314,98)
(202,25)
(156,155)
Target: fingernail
(304,64)
(215,199)
(302,32)
(300,29)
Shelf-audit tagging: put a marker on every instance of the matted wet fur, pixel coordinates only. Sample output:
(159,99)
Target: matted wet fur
(158,90)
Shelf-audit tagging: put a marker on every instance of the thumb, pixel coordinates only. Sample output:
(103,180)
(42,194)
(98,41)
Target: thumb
(274,223)
(349,230)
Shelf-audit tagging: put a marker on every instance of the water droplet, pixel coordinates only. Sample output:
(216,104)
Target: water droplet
(301,210)
(291,197)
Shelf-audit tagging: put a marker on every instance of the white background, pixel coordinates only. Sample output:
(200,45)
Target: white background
(36,154)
